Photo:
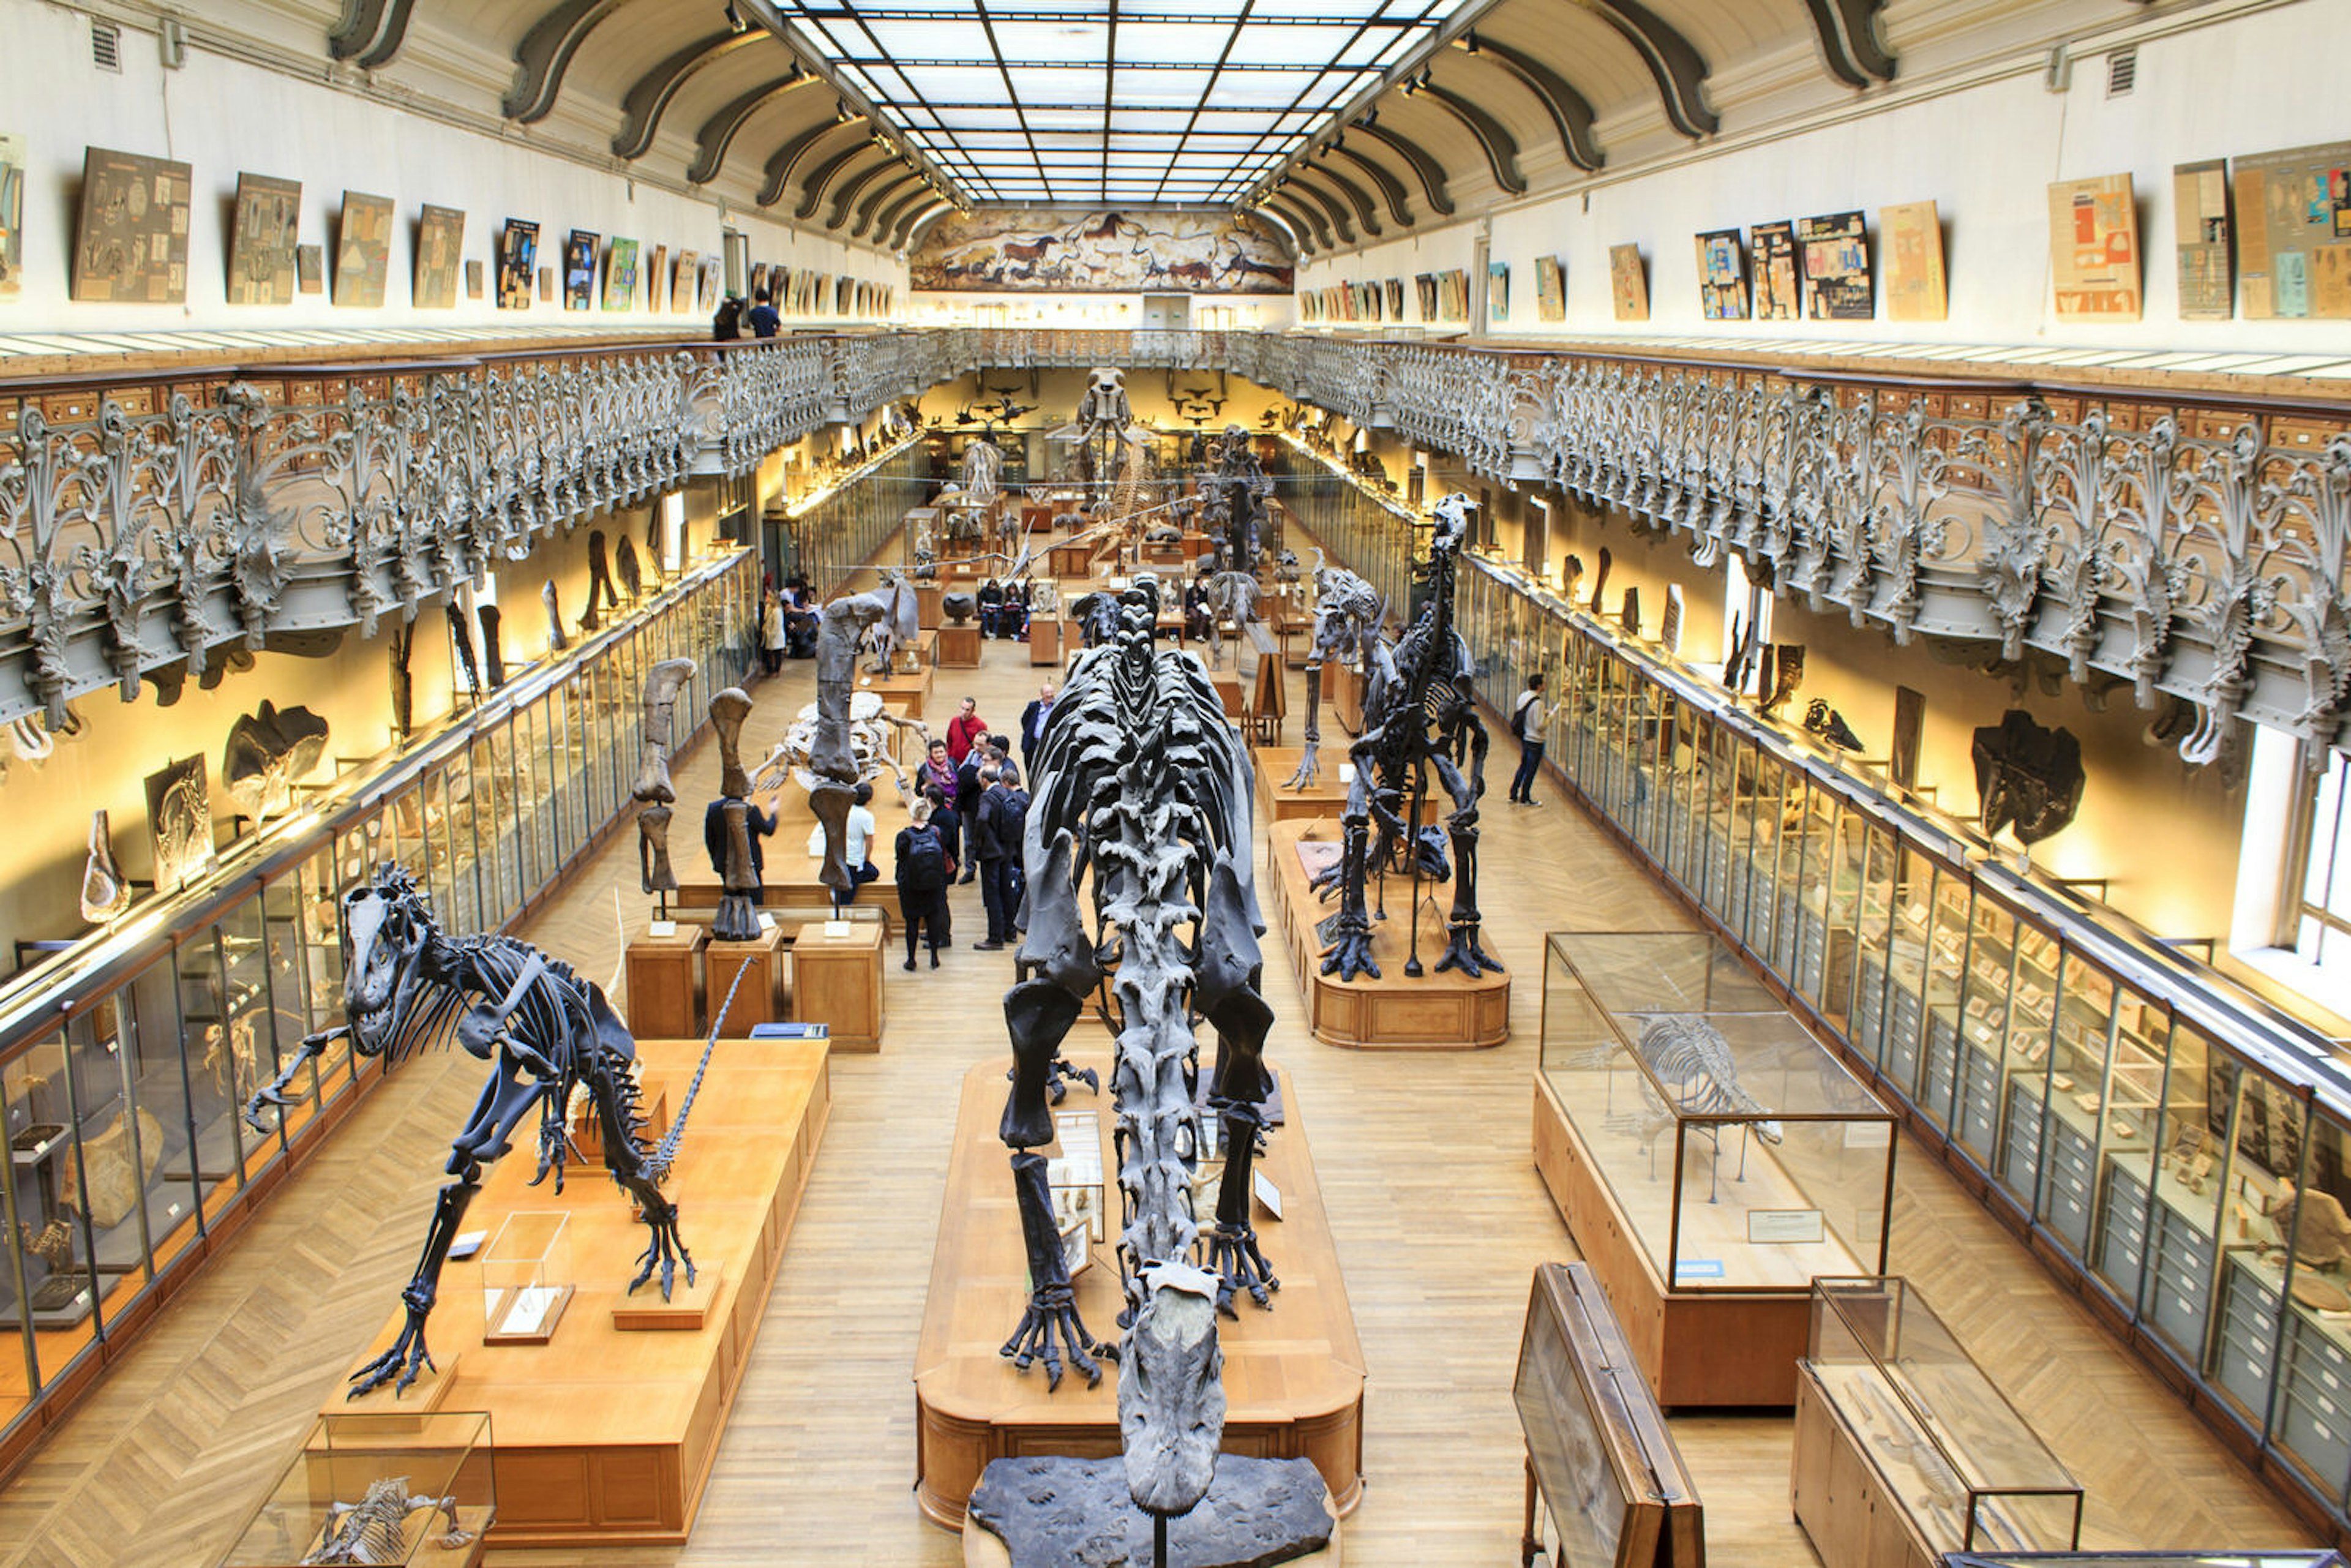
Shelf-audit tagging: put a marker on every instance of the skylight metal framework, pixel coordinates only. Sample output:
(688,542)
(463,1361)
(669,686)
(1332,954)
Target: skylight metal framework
(1063,102)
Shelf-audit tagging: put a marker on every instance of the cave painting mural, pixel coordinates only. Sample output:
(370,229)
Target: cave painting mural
(1108,252)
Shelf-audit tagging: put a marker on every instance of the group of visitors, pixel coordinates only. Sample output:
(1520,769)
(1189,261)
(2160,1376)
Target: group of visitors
(1004,611)
(787,624)
(734,318)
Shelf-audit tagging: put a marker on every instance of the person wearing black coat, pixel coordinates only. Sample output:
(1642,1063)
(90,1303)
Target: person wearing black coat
(759,825)
(991,608)
(989,849)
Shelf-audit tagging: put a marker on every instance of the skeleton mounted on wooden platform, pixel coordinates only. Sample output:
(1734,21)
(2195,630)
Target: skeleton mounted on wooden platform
(1142,787)
(1348,611)
(1420,715)
(409,987)
(1233,500)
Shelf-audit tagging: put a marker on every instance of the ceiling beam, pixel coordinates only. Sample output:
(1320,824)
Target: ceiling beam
(877,196)
(1391,188)
(919,215)
(813,188)
(1300,241)
(546,53)
(1571,113)
(1327,201)
(1848,35)
(847,191)
(785,159)
(1494,138)
(1314,212)
(887,218)
(1680,71)
(371,31)
(1366,214)
(717,137)
(1430,173)
(650,96)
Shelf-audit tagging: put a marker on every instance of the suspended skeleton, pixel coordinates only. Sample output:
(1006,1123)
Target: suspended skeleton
(407,987)
(1420,717)
(1143,794)
(375,1528)
(876,739)
(1347,615)
(1691,1058)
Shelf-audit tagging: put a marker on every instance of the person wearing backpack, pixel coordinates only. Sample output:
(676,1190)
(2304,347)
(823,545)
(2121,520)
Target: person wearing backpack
(1527,723)
(925,869)
(1012,827)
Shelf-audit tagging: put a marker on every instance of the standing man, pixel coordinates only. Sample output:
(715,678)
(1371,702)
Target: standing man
(1032,724)
(991,850)
(964,731)
(858,849)
(1527,720)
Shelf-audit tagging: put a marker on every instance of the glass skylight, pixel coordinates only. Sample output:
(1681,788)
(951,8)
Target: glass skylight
(1073,101)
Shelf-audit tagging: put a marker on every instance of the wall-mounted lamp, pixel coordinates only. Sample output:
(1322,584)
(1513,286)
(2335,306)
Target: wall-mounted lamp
(734,22)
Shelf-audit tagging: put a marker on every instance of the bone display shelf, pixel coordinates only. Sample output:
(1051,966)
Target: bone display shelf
(1710,1156)
(604,1436)
(140,1042)
(958,647)
(1293,1375)
(664,994)
(1276,802)
(836,982)
(912,694)
(1447,1011)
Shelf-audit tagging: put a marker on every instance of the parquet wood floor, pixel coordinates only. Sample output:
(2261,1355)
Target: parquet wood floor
(1439,1216)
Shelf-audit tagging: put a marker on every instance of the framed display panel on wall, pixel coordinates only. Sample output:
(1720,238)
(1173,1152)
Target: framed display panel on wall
(620,276)
(1551,289)
(2199,208)
(130,245)
(2294,222)
(1628,282)
(1721,277)
(2094,248)
(363,251)
(263,239)
(1912,236)
(1835,251)
(1779,283)
(439,247)
(579,269)
(12,216)
(518,264)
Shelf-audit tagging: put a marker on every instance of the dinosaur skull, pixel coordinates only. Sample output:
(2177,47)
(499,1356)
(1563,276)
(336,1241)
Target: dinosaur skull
(1171,1401)
(379,979)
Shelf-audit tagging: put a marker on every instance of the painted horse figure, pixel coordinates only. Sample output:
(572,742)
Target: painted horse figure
(408,987)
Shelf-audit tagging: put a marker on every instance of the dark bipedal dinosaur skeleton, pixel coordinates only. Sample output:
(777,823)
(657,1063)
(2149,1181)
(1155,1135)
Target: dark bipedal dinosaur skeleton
(1347,615)
(407,987)
(1420,717)
(1141,782)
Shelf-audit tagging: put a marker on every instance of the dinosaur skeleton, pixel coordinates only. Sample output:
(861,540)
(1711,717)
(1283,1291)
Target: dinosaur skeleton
(1143,787)
(1420,715)
(375,1528)
(1234,496)
(1347,615)
(876,736)
(885,617)
(408,987)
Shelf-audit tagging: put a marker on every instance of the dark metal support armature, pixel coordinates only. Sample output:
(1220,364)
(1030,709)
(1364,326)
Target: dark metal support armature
(1494,138)
(813,188)
(1324,203)
(1673,61)
(1368,213)
(371,31)
(847,192)
(1302,217)
(1431,172)
(1848,35)
(875,199)
(787,157)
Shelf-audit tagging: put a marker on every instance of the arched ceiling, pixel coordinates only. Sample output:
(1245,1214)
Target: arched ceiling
(1371,116)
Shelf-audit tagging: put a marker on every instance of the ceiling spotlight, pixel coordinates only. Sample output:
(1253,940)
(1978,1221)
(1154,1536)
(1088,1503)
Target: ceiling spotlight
(841,115)
(734,22)
(1469,40)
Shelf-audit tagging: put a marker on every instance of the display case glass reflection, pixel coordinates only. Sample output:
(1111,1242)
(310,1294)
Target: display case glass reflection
(1742,1154)
(1954,1454)
(408,1489)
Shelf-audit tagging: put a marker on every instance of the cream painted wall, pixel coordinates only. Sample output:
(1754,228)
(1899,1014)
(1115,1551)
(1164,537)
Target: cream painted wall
(1985,153)
(221,117)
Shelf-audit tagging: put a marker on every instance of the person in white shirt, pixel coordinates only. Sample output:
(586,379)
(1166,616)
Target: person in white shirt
(857,848)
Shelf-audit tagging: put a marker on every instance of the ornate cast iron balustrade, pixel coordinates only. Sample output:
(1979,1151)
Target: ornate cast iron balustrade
(2176,545)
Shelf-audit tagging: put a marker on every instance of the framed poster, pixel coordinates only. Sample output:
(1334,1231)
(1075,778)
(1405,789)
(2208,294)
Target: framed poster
(263,236)
(130,245)
(841,295)
(1912,234)
(1393,288)
(546,289)
(1498,291)
(620,276)
(2292,218)
(517,258)
(711,272)
(1721,277)
(2094,248)
(1834,250)
(440,245)
(657,279)
(363,251)
(1551,289)
(681,288)
(1628,285)
(2200,209)
(1772,248)
(1424,285)
(1454,293)
(473,280)
(579,269)
(12,216)
(310,268)
(758,283)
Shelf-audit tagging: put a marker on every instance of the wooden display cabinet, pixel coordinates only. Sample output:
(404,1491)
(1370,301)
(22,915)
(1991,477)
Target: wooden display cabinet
(664,996)
(837,981)
(759,999)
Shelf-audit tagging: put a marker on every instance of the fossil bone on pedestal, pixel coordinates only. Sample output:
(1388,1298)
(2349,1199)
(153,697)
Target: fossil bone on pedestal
(104,893)
(556,641)
(728,709)
(632,582)
(737,919)
(664,682)
(267,750)
(494,658)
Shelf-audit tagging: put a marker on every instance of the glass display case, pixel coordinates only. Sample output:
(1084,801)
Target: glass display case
(416,1490)
(2216,1559)
(1940,1443)
(125,1060)
(1744,1155)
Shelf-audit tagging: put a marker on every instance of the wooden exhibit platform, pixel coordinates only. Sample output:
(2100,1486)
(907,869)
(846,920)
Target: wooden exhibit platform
(1293,1375)
(1696,1347)
(1276,803)
(605,1436)
(1447,1011)
(911,693)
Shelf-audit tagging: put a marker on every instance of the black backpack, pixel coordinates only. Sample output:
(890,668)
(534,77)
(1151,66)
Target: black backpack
(923,866)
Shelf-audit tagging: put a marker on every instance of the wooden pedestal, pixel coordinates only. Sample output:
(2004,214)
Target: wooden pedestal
(1447,1011)
(1073,560)
(1228,692)
(1045,640)
(1695,1347)
(960,647)
(928,613)
(759,999)
(661,992)
(837,981)
(908,692)
(605,1437)
(1853,1517)
(1326,796)
(926,649)
(1293,1375)
(1343,696)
